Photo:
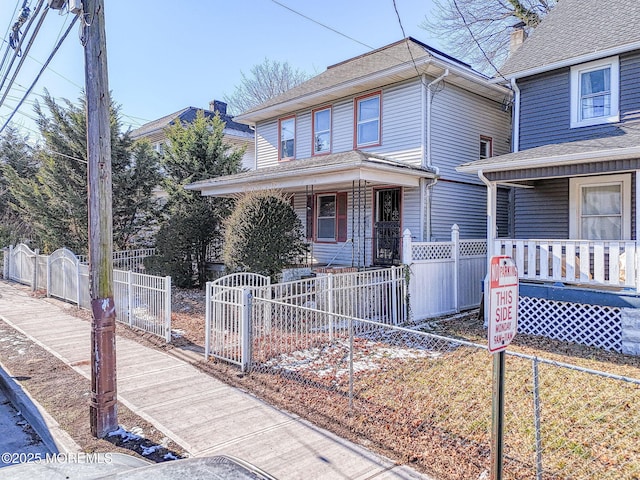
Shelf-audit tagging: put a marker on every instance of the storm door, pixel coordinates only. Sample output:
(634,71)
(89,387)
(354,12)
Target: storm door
(386,229)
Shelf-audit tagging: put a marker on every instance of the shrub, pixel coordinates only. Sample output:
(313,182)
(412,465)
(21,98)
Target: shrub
(263,234)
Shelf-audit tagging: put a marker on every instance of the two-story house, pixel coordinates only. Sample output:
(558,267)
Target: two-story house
(236,134)
(368,148)
(574,174)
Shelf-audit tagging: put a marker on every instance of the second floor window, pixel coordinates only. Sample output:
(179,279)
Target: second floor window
(594,93)
(367,120)
(287,127)
(322,131)
(486,147)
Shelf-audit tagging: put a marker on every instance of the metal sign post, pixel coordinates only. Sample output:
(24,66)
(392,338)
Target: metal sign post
(503,325)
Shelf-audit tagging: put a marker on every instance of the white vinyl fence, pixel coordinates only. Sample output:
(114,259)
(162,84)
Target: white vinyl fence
(445,277)
(142,301)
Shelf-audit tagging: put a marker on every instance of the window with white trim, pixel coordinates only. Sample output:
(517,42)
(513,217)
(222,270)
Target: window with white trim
(486,147)
(322,131)
(600,207)
(287,129)
(595,92)
(367,120)
(326,218)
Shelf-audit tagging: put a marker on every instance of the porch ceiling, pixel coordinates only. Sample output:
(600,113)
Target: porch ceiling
(336,171)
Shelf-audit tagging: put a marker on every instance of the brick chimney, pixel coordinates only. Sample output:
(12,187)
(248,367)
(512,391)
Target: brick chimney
(518,36)
(218,106)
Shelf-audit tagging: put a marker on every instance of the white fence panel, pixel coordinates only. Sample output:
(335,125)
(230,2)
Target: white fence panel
(22,265)
(63,279)
(445,277)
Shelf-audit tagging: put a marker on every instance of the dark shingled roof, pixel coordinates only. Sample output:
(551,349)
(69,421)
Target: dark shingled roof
(576,28)
(187,115)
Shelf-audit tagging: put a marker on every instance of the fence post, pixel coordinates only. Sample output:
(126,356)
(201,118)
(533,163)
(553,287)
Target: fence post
(394,295)
(5,263)
(129,299)
(35,270)
(536,418)
(49,275)
(77,264)
(167,309)
(330,304)
(350,363)
(455,238)
(207,321)
(246,329)
(406,247)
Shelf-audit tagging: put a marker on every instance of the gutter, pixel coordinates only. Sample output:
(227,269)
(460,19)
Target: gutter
(516,117)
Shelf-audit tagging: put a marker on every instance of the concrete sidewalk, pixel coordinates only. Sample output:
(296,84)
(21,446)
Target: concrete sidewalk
(203,415)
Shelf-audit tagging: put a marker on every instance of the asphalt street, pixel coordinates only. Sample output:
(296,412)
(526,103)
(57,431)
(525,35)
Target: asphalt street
(18,442)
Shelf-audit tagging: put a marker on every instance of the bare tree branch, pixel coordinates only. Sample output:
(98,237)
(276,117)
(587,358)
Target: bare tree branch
(484,24)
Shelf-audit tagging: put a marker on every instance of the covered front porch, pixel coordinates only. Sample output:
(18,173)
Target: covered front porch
(353,206)
(573,234)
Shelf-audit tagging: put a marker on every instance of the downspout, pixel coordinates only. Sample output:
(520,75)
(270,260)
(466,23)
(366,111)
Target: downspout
(427,160)
(491,234)
(516,116)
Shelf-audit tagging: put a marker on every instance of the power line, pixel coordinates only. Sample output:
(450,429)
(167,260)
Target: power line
(322,24)
(41,71)
(19,47)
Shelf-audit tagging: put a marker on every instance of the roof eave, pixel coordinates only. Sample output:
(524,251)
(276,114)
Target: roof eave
(551,160)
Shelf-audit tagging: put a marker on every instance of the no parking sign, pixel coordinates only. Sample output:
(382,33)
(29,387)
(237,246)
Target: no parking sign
(503,303)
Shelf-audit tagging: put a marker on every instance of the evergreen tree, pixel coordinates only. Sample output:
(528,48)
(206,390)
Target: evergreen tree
(17,154)
(54,200)
(196,151)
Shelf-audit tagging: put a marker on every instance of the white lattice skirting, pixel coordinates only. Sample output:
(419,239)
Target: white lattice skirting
(593,325)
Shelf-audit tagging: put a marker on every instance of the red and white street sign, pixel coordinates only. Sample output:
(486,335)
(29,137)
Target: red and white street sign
(503,303)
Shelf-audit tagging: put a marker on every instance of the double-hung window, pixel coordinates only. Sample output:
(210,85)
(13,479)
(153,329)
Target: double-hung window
(600,207)
(330,217)
(322,131)
(595,91)
(287,134)
(367,120)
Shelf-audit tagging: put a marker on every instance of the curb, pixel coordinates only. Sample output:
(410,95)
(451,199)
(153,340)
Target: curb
(52,435)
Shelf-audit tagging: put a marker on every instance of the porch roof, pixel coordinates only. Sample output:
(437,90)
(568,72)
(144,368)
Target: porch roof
(619,149)
(337,170)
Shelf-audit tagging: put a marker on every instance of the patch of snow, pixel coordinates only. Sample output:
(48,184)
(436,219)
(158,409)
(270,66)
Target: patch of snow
(149,450)
(122,433)
(169,456)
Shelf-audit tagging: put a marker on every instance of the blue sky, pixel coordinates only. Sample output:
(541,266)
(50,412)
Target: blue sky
(165,55)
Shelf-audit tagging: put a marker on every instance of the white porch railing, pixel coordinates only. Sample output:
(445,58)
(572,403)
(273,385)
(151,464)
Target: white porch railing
(611,263)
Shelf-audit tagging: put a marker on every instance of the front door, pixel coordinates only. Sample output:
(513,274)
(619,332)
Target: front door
(386,231)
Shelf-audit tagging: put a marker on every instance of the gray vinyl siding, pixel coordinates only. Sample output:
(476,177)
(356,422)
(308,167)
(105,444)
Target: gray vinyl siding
(411,211)
(266,144)
(303,135)
(504,212)
(545,106)
(342,126)
(462,204)
(401,123)
(543,211)
(459,118)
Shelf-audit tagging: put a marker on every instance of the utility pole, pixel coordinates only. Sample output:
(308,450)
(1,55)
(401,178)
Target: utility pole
(104,407)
